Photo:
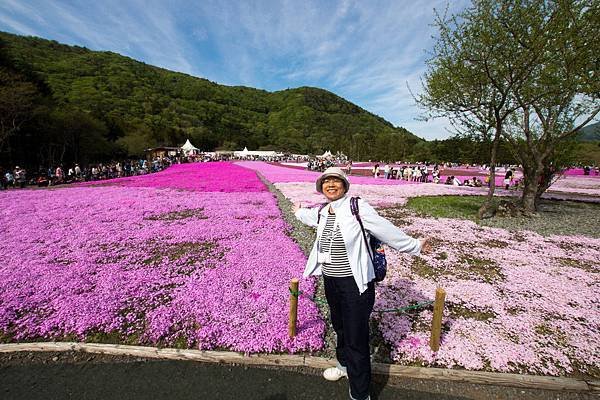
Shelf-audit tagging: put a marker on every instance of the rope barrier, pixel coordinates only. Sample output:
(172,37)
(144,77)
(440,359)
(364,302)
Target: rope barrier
(407,308)
(397,310)
(314,299)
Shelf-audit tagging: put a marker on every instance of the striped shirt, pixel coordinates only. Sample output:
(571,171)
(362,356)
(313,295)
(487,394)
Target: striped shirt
(332,241)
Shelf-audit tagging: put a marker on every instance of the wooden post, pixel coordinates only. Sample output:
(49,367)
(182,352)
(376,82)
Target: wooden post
(436,324)
(294,293)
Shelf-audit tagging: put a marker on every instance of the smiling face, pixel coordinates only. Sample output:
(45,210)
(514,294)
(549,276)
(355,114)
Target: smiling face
(333,188)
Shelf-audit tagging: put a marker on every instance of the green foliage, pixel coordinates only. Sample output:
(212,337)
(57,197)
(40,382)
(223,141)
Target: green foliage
(19,98)
(590,133)
(131,106)
(463,207)
(461,149)
(587,153)
(525,71)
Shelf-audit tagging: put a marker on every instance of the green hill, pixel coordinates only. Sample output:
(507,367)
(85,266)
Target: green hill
(89,104)
(590,133)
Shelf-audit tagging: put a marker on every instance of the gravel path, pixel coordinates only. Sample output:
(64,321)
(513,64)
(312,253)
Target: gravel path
(555,218)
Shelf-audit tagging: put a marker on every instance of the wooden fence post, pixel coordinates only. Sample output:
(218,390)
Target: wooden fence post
(294,293)
(436,324)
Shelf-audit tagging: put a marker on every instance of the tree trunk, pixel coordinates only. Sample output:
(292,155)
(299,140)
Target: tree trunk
(488,208)
(528,199)
(538,177)
(546,180)
(531,190)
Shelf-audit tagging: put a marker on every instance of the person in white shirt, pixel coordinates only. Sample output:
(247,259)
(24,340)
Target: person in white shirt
(416,177)
(341,255)
(408,173)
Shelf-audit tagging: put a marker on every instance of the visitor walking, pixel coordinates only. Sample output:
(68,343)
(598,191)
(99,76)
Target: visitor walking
(386,171)
(59,175)
(416,177)
(375,171)
(20,176)
(508,177)
(341,255)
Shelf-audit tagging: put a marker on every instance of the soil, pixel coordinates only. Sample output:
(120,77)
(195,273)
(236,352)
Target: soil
(78,375)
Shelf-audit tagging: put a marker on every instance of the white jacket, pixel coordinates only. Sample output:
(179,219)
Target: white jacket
(358,254)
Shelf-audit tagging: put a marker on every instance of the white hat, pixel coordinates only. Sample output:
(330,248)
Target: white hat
(332,171)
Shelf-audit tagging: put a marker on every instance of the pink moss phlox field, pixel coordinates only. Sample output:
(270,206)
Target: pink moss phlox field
(207,269)
(577,184)
(580,172)
(516,301)
(377,195)
(211,177)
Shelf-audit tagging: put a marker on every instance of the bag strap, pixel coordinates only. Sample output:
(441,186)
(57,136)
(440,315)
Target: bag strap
(321,207)
(354,211)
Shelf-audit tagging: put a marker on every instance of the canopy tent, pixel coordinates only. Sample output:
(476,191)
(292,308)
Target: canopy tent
(246,153)
(327,154)
(189,149)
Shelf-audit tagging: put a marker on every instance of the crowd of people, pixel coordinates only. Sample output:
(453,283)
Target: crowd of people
(13,178)
(421,172)
(319,164)
(58,175)
(412,173)
(428,173)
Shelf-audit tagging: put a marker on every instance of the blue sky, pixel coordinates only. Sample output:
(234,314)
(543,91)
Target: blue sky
(366,51)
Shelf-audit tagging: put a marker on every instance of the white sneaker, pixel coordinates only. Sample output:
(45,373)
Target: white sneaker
(334,374)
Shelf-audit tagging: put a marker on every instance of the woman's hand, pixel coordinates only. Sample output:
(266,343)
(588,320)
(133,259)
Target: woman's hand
(425,245)
(296,207)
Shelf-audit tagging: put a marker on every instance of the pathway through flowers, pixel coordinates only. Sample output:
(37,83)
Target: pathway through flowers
(516,301)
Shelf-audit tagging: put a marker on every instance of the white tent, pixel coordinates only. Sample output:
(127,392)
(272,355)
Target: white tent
(189,149)
(327,154)
(248,154)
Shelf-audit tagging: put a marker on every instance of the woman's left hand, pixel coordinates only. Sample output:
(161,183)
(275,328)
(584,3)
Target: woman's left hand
(425,246)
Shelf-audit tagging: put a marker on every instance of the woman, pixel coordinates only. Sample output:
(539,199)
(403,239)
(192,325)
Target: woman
(375,171)
(341,255)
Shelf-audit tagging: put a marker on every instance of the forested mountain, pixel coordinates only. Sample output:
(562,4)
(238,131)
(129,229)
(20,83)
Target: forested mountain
(590,133)
(73,104)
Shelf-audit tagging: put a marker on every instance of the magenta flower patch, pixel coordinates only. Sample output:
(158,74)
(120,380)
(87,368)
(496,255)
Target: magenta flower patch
(195,255)
(207,177)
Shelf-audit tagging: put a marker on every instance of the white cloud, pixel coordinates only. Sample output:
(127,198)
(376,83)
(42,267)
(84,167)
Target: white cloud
(138,29)
(16,26)
(363,51)
(19,8)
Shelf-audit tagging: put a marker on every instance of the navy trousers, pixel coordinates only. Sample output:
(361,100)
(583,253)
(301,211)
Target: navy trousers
(350,313)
